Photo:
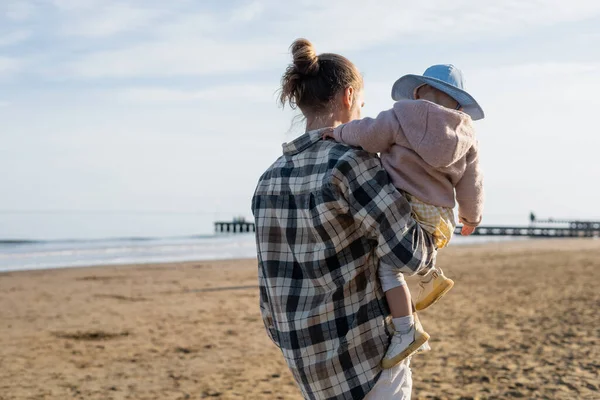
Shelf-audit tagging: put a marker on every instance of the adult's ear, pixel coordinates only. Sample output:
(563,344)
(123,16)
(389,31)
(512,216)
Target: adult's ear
(348,98)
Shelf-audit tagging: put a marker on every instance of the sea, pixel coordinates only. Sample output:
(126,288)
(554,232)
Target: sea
(18,255)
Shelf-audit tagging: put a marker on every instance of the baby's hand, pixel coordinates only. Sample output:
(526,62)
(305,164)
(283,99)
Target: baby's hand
(467,230)
(327,133)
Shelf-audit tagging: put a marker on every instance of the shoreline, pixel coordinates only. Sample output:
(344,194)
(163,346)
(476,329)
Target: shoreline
(122,265)
(245,250)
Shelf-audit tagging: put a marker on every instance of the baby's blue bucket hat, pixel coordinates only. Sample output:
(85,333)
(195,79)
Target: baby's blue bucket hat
(444,77)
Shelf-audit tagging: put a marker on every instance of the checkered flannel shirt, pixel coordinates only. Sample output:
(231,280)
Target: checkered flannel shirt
(326,216)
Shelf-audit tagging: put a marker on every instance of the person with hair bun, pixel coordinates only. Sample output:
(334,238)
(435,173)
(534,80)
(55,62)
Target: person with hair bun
(327,217)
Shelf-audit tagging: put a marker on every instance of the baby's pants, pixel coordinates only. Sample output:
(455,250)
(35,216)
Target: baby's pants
(437,221)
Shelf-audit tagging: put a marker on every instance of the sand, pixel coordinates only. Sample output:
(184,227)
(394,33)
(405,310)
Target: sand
(523,321)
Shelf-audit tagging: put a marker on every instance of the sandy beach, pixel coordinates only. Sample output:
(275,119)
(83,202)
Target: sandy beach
(523,321)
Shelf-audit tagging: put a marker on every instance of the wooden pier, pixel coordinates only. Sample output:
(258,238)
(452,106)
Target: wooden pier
(534,231)
(549,228)
(585,225)
(235,226)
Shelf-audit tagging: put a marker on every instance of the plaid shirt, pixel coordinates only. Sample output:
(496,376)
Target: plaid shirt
(326,216)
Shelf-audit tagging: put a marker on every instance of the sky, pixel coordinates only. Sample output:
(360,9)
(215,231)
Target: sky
(149,118)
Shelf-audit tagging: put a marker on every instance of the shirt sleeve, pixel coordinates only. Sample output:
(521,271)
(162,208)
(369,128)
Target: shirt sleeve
(469,191)
(265,307)
(375,135)
(383,214)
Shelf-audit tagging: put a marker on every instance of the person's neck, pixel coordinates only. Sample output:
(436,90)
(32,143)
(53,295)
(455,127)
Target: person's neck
(322,121)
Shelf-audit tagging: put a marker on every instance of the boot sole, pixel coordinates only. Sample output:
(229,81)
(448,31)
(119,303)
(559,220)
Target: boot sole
(433,297)
(419,341)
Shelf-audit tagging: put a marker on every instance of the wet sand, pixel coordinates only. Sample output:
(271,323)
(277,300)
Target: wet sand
(523,321)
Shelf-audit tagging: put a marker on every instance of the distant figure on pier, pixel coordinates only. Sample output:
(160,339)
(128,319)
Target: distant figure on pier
(532,217)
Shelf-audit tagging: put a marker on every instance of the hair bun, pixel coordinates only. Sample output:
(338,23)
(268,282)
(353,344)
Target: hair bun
(305,58)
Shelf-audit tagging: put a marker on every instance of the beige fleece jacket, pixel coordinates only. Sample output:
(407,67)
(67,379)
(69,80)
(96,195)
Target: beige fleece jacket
(428,150)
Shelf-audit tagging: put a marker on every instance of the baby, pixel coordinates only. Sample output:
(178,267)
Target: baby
(429,150)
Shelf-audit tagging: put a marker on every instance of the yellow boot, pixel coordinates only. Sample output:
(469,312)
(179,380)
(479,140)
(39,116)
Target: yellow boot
(433,286)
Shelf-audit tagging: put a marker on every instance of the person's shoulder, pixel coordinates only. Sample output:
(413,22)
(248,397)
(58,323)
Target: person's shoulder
(343,156)
(335,163)
(270,176)
(347,163)
(278,163)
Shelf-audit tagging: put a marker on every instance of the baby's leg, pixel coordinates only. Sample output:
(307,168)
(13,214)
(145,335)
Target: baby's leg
(408,337)
(396,291)
(439,223)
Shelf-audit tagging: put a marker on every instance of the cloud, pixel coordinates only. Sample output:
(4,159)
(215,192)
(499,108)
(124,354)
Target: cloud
(198,43)
(109,19)
(248,12)
(15,37)
(352,26)
(179,57)
(530,82)
(255,93)
(71,5)
(17,10)
(539,70)
(9,65)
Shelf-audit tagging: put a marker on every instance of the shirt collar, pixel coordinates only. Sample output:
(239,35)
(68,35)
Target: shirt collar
(303,142)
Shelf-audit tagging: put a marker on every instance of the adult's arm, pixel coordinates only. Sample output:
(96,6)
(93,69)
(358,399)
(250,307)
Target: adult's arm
(383,214)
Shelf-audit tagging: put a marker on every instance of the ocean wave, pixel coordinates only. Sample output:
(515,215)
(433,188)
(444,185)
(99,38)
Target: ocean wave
(57,254)
(16,255)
